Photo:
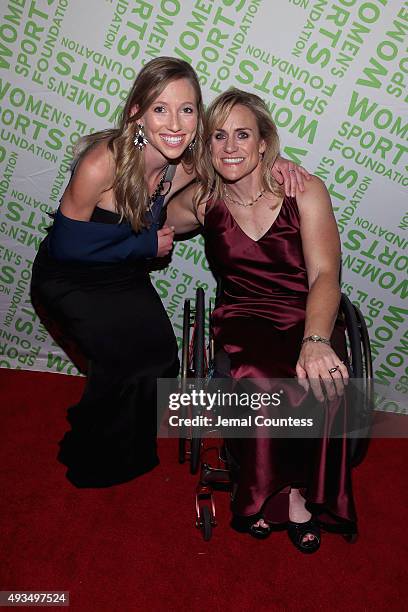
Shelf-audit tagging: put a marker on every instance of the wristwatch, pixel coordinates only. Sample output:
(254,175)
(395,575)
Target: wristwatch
(316,338)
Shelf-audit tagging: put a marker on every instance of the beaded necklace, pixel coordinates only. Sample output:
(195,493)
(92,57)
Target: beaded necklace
(157,192)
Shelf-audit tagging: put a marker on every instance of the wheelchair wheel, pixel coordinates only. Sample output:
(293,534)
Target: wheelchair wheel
(199,335)
(206,525)
(193,366)
(366,347)
(361,449)
(186,340)
(353,333)
(185,350)
(198,368)
(361,368)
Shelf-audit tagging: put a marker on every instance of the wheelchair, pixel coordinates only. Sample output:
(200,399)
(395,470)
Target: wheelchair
(198,363)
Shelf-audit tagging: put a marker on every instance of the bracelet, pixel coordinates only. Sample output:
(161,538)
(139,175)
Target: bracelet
(316,338)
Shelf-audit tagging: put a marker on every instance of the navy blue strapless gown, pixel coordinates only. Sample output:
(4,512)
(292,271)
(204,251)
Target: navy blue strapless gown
(110,319)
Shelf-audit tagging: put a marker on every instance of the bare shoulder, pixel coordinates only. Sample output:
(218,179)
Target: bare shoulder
(315,196)
(314,186)
(92,178)
(96,166)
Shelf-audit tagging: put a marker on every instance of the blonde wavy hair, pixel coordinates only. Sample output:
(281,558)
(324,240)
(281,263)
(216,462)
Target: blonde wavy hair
(210,182)
(129,185)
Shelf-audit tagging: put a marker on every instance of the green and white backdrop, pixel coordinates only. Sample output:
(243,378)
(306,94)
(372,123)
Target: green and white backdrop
(333,73)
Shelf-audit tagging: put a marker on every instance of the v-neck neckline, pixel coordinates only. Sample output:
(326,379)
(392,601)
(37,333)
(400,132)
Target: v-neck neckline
(244,232)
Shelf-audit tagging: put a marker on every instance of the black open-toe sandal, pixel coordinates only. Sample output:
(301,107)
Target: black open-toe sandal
(297,531)
(246,524)
(259,532)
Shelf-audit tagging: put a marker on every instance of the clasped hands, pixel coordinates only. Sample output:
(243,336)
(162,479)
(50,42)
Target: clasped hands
(320,368)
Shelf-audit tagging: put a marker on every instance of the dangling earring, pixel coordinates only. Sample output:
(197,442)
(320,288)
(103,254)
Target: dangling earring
(191,145)
(140,140)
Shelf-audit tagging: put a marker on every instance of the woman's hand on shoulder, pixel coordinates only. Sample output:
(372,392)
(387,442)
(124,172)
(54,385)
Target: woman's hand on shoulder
(92,177)
(290,175)
(315,361)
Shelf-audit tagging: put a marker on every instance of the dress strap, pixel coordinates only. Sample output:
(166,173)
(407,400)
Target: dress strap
(156,210)
(170,172)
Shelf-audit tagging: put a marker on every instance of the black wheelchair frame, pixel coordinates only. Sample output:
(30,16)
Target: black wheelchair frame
(198,358)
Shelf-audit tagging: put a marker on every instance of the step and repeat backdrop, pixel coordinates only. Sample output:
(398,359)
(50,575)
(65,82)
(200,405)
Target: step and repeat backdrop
(334,75)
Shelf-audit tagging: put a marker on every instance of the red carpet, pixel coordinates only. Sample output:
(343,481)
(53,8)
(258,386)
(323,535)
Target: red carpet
(134,547)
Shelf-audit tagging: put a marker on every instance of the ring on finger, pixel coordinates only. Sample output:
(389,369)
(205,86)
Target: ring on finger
(332,370)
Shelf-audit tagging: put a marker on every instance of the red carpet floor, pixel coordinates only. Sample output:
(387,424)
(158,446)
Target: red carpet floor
(134,547)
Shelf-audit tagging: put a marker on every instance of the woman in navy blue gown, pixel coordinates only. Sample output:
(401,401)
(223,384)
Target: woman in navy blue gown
(91,280)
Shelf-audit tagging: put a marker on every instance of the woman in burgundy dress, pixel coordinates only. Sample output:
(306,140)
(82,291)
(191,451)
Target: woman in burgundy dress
(278,261)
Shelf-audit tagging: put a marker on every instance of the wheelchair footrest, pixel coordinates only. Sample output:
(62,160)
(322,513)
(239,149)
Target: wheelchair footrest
(211,475)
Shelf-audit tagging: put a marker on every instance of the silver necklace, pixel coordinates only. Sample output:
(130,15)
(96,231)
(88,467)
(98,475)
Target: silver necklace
(244,204)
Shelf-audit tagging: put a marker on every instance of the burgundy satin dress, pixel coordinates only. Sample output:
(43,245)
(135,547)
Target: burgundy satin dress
(259,322)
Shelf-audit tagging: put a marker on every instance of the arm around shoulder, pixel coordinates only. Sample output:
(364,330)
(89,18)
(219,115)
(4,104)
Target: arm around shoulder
(181,212)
